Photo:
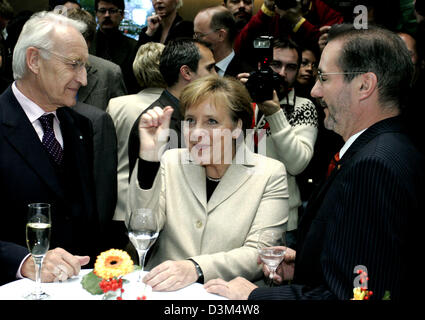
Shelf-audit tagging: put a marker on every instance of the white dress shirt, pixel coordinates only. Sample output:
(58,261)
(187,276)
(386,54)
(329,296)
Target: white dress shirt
(224,63)
(33,112)
(349,142)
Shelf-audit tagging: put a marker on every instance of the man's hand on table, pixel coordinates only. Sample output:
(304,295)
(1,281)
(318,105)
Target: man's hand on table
(58,265)
(236,289)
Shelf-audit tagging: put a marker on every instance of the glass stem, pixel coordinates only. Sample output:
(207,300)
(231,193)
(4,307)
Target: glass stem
(38,263)
(142,256)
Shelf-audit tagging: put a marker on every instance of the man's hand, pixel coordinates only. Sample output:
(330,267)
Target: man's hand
(154,132)
(285,270)
(236,289)
(58,265)
(323,39)
(171,275)
(270,107)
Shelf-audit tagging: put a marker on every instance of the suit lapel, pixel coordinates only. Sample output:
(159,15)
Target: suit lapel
(195,176)
(21,135)
(92,80)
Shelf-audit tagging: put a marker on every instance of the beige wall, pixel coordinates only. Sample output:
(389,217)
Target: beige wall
(191,7)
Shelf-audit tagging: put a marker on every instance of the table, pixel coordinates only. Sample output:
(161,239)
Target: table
(71,289)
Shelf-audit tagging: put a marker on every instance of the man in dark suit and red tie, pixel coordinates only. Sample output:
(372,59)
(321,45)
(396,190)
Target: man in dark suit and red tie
(47,161)
(366,213)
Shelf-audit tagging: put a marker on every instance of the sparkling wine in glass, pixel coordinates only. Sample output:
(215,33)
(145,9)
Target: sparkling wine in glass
(143,231)
(269,251)
(38,241)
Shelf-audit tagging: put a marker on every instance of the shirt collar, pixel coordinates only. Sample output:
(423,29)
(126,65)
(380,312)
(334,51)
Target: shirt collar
(171,97)
(31,109)
(223,63)
(349,142)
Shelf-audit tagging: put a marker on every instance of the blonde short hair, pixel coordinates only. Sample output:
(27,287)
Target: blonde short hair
(146,65)
(221,91)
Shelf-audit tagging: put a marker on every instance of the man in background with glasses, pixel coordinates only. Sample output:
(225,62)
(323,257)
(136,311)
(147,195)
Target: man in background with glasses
(111,44)
(217,27)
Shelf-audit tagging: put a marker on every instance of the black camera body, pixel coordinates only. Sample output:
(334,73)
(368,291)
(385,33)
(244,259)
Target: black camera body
(285,4)
(261,83)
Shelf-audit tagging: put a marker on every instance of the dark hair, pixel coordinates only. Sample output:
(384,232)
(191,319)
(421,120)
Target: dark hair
(379,51)
(176,54)
(6,10)
(118,3)
(222,18)
(284,43)
(87,18)
(54,3)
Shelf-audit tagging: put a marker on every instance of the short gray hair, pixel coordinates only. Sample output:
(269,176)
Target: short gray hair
(37,32)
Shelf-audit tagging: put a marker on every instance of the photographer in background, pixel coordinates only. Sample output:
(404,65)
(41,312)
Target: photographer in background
(290,122)
(299,20)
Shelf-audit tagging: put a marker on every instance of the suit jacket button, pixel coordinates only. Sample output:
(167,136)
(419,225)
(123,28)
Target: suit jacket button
(199,224)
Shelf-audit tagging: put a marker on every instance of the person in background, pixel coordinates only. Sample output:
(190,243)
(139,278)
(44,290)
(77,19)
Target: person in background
(290,123)
(6,15)
(207,181)
(126,109)
(365,215)
(47,148)
(104,78)
(182,62)
(111,44)
(242,11)
(327,142)
(166,24)
(300,21)
(217,26)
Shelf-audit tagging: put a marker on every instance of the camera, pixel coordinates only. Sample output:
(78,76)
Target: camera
(261,83)
(285,4)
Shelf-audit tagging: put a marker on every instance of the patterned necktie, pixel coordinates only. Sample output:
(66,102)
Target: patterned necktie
(332,164)
(49,140)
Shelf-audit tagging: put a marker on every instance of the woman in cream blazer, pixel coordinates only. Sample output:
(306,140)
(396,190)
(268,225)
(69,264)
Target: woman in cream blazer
(211,211)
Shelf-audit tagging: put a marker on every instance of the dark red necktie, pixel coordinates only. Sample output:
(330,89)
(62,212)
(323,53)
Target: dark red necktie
(332,164)
(49,140)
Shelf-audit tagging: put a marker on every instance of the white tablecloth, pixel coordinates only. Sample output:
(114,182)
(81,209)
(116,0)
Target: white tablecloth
(71,289)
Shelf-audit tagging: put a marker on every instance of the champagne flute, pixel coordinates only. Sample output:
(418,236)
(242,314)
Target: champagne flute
(270,254)
(143,231)
(38,240)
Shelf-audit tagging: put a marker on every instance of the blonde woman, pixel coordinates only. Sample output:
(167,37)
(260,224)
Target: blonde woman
(213,197)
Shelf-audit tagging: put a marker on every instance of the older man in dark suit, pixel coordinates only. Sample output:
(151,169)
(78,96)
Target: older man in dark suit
(365,215)
(47,148)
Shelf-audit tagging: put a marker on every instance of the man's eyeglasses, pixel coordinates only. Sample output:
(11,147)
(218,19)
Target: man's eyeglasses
(200,35)
(321,74)
(111,11)
(76,65)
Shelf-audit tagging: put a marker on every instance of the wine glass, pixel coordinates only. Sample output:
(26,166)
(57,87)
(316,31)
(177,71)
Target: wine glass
(143,231)
(270,254)
(38,241)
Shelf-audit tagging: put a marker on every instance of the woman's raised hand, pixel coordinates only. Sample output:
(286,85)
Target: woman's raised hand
(154,132)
